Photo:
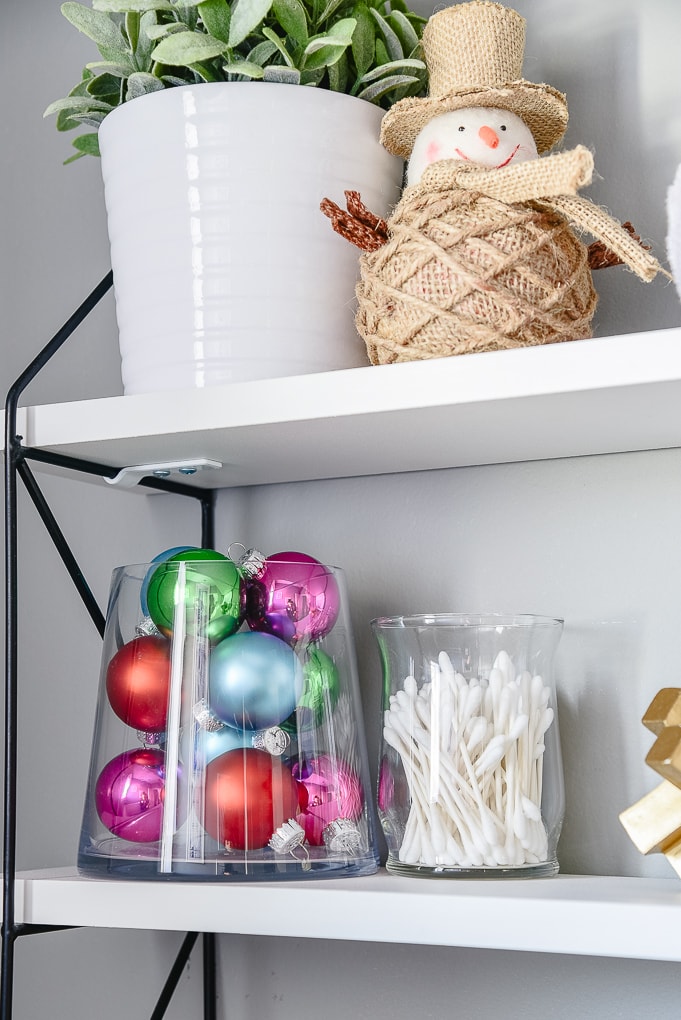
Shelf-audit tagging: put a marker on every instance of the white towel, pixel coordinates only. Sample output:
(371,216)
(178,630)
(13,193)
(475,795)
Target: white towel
(674,228)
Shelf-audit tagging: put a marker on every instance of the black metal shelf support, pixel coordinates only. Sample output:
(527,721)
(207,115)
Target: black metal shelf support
(16,457)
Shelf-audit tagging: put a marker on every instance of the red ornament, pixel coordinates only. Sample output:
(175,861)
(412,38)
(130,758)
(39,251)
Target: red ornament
(248,795)
(138,681)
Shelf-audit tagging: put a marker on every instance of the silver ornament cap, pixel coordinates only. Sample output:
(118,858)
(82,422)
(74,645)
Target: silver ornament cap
(287,837)
(147,628)
(342,836)
(206,718)
(251,564)
(274,740)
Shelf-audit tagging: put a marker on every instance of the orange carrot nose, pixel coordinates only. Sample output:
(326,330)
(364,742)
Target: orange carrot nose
(488,136)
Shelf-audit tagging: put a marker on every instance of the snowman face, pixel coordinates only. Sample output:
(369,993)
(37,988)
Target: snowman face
(481,135)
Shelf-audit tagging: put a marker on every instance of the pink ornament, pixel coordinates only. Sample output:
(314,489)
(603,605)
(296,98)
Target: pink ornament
(294,597)
(334,791)
(129,795)
(393,790)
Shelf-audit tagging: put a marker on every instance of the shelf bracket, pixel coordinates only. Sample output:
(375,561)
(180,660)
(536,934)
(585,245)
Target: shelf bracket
(128,477)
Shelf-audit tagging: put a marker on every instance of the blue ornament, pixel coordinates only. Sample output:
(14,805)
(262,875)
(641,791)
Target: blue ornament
(212,743)
(255,680)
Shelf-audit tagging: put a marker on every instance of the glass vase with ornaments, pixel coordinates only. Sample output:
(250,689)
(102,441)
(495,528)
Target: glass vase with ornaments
(228,738)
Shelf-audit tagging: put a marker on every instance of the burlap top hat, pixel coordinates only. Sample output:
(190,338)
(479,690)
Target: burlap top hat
(474,55)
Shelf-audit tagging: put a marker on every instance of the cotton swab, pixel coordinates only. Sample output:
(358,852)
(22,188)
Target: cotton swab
(472,752)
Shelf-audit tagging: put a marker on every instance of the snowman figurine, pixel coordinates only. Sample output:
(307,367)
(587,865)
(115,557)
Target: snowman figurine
(483,251)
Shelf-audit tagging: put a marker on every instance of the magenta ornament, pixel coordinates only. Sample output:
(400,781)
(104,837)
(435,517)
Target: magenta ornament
(334,791)
(129,795)
(294,597)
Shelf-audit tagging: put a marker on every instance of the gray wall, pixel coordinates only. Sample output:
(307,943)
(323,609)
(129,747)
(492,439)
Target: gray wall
(592,540)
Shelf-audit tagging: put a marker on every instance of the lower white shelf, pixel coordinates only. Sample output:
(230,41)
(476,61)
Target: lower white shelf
(577,915)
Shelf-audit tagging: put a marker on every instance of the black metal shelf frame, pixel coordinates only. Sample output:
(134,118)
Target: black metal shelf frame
(16,457)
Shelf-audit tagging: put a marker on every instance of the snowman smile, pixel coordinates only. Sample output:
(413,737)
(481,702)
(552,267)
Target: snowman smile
(462,155)
(507,161)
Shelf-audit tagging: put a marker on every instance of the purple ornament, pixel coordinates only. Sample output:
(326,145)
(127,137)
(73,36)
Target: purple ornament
(294,597)
(129,795)
(333,790)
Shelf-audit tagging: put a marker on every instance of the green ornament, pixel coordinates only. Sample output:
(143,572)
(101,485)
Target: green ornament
(321,689)
(213,594)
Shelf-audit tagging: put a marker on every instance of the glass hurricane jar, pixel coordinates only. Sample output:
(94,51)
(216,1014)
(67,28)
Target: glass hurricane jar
(470,773)
(228,740)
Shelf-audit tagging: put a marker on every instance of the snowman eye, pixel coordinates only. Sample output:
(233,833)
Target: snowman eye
(461,127)
(502,127)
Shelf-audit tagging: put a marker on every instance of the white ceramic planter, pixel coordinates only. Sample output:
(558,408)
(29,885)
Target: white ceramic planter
(225,269)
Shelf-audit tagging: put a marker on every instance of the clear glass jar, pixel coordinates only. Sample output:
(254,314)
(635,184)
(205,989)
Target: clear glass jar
(228,739)
(470,772)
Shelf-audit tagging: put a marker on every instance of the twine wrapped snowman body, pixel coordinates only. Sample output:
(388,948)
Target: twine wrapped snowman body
(481,257)
(481,260)
(464,270)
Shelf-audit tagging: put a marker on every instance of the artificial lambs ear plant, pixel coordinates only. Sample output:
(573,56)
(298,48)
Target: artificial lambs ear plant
(365,48)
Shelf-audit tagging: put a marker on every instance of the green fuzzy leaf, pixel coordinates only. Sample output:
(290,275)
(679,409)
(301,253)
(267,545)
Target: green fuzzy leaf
(261,53)
(140,84)
(90,119)
(291,16)
(381,88)
(206,72)
(392,42)
(74,104)
(381,55)
(404,30)
(104,85)
(339,74)
(338,34)
(100,28)
(172,80)
(186,11)
(282,75)
(131,6)
(81,88)
(279,44)
(106,67)
(330,9)
(185,48)
(246,68)
(312,77)
(65,122)
(216,16)
(363,39)
(328,53)
(392,67)
(145,43)
(132,28)
(247,16)
(156,32)
(87,145)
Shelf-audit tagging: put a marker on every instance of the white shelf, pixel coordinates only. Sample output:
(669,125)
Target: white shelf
(606,395)
(577,915)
